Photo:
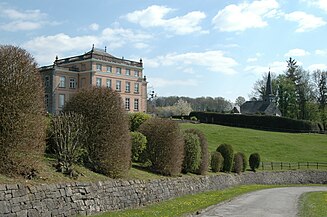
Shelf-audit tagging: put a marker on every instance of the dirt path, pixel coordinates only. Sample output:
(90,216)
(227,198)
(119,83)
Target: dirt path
(275,202)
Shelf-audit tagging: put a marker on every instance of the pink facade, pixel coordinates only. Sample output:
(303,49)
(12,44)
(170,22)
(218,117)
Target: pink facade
(95,68)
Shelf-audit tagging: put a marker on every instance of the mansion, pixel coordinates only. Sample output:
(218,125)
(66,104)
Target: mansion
(97,68)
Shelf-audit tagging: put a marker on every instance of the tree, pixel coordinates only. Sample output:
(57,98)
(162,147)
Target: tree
(69,136)
(239,101)
(108,138)
(22,113)
(182,107)
(286,97)
(320,86)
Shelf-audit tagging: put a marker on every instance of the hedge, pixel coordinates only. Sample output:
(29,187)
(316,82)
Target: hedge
(260,122)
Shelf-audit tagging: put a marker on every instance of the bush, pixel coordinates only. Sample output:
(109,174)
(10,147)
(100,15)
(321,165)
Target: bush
(138,145)
(238,163)
(244,159)
(192,151)
(254,161)
(217,161)
(136,119)
(108,139)
(165,145)
(22,113)
(227,152)
(203,168)
(68,135)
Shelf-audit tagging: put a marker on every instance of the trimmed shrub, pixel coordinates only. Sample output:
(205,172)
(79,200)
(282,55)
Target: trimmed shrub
(138,145)
(238,163)
(165,147)
(136,119)
(203,168)
(68,135)
(261,122)
(254,161)
(217,161)
(108,139)
(227,152)
(192,151)
(22,113)
(244,159)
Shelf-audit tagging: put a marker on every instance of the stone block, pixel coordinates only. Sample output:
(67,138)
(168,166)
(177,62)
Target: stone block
(4,207)
(22,213)
(12,187)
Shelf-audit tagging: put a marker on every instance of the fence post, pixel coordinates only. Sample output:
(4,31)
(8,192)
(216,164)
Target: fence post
(298,165)
(281,165)
(289,166)
(263,168)
(317,165)
(272,166)
(307,165)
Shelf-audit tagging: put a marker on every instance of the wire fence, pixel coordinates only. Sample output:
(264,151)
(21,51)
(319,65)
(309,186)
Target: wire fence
(292,165)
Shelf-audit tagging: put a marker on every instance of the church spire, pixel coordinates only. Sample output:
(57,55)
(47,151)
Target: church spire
(269,86)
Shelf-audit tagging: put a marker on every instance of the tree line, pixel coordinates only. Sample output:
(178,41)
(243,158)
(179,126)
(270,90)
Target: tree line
(300,94)
(173,105)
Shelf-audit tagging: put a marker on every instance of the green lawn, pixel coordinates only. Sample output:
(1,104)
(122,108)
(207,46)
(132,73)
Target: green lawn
(272,146)
(313,204)
(187,204)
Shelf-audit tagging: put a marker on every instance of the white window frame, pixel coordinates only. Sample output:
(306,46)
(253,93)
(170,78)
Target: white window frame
(62,81)
(98,82)
(136,88)
(47,81)
(136,104)
(109,69)
(127,72)
(61,101)
(128,87)
(108,83)
(118,85)
(136,73)
(98,67)
(118,70)
(127,104)
(72,83)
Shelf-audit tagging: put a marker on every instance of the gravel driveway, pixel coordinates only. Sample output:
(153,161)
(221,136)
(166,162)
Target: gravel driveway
(275,202)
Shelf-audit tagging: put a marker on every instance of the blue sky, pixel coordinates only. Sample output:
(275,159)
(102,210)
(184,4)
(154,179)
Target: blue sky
(189,48)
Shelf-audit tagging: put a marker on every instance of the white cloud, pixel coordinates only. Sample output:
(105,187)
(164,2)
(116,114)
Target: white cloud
(296,53)
(321,52)
(45,48)
(22,20)
(306,22)
(94,26)
(276,67)
(23,15)
(322,4)
(314,67)
(214,61)
(245,15)
(154,16)
(161,82)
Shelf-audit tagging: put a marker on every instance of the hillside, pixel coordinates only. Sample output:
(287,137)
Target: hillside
(272,146)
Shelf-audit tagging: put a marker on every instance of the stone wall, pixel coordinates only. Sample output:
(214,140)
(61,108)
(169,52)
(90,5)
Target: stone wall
(70,199)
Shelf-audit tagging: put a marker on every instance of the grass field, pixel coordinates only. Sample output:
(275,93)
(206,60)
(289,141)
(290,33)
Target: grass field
(272,146)
(313,204)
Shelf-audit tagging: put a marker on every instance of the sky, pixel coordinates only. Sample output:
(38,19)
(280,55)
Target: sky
(189,48)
